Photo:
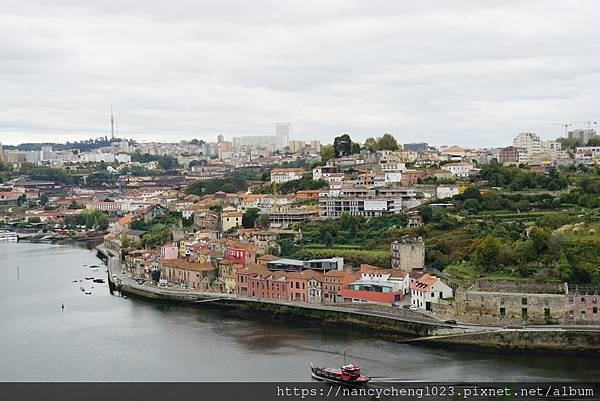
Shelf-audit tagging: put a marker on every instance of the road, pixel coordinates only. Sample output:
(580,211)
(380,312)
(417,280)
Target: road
(114,269)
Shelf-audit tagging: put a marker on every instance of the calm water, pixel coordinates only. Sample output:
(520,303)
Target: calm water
(100,337)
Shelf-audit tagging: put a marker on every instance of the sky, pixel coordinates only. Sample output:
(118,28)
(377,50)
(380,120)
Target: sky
(473,73)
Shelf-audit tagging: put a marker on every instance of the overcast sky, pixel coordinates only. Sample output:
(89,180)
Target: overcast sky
(473,73)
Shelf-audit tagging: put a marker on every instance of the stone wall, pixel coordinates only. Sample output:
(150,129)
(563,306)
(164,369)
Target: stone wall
(519,286)
(505,307)
(529,340)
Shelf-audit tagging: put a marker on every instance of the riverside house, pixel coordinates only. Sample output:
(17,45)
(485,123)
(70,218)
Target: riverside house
(377,285)
(240,253)
(256,281)
(198,276)
(428,290)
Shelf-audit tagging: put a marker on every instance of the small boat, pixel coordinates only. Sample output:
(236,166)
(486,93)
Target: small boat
(89,278)
(98,280)
(8,236)
(88,293)
(348,375)
(124,296)
(82,289)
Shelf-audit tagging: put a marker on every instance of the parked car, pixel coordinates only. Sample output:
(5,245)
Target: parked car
(396,304)
(450,321)
(407,306)
(412,307)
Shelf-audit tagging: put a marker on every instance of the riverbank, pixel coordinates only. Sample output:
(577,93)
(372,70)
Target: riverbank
(395,323)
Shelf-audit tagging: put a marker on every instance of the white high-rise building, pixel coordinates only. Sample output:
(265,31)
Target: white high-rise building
(282,134)
(528,141)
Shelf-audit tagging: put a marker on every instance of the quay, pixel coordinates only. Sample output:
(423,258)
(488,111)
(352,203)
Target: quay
(393,323)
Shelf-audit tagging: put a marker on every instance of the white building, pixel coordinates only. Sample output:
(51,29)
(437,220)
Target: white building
(446,191)
(281,175)
(458,169)
(587,153)
(528,141)
(428,290)
(397,281)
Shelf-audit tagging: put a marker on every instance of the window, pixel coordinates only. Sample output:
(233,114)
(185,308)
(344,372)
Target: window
(546,312)
(524,301)
(502,311)
(524,313)
(594,310)
(582,299)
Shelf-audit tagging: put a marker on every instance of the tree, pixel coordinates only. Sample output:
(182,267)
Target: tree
(563,269)
(472,205)
(44,199)
(342,145)
(34,219)
(125,242)
(593,141)
(355,148)
(21,199)
(327,153)
(471,192)
(486,254)
(250,217)
(74,205)
(371,144)
(387,142)
(264,221)
(155,275)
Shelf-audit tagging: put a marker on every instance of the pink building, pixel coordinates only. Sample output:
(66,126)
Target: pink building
(583,306)
(169,251)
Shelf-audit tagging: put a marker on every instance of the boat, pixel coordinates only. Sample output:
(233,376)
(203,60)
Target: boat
(348,374)
(98,280)
(82,289)
(8,236)
(88,293)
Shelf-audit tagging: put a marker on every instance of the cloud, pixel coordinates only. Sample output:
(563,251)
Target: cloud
(469,72)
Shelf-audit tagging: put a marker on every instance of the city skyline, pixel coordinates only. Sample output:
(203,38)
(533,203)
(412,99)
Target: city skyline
(198,70)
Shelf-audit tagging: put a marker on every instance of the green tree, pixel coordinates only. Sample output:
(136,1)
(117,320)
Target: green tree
(562,269)
(34,219)
(125,242)
(327,153)
(250,217)
(342,145)
(486,254)
(387,142)
(472,205)
(44,199)
(264,220)
(21,199)
(370,144)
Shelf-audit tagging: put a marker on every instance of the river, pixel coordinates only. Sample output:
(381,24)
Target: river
(100,337)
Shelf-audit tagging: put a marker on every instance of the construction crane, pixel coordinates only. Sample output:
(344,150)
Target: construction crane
(589,123)
(569,124)
(565,125)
